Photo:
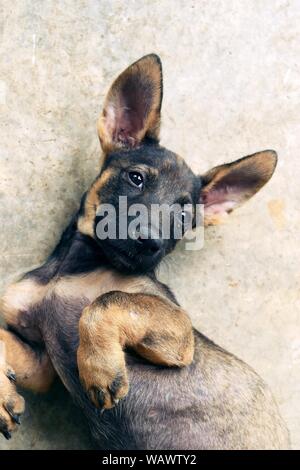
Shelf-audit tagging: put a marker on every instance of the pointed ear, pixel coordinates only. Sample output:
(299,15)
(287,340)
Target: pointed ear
(132,107)
(226,187)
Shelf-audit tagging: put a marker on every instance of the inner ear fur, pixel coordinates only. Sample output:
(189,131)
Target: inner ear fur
(132,106)
(226,187)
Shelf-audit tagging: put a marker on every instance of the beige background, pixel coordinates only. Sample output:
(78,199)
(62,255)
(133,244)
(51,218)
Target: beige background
(231,72)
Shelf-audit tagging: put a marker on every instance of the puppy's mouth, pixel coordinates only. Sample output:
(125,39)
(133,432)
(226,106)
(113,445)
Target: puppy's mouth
(128,259)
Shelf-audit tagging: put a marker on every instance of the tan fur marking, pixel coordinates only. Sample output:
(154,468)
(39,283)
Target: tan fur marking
(11,403)
(154,327)
(19,297)
(99,282)
(33,372)
(85,223)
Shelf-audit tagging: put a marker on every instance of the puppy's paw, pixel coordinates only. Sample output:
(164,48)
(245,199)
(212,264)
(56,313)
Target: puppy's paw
(103,376)
(12,405)
(109,391)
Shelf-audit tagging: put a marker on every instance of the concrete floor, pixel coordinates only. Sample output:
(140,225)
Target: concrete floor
(231,88)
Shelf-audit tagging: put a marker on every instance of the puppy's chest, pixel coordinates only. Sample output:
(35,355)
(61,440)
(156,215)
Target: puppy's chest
(92,285)
(29,307)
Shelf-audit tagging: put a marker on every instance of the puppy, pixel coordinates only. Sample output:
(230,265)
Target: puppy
(95,298)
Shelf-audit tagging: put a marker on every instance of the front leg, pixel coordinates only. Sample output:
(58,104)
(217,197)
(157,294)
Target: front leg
(154,327)
(23,362)
(19,365)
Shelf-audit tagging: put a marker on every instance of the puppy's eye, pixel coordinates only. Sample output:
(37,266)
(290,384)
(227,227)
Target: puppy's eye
(136,179)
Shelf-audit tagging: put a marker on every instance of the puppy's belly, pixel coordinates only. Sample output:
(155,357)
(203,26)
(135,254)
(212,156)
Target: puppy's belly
(216,402)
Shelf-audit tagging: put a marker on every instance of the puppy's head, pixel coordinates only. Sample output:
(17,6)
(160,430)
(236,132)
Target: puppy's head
(138,173)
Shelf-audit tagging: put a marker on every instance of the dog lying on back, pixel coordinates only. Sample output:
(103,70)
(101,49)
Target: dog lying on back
(94,299)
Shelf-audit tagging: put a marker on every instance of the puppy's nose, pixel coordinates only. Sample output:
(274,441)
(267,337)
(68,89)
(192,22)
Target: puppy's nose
(151,246)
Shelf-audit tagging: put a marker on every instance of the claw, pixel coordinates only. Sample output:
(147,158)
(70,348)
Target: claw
(97,396)
(11,376)
(14,417)
(6,434)
(100,398)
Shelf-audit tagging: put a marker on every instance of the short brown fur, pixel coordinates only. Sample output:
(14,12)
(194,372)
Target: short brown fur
(118,320)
